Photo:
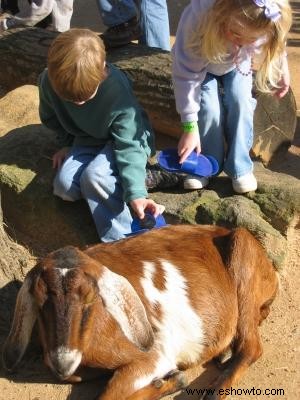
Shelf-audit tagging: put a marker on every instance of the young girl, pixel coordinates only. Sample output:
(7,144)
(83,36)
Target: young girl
(216,43)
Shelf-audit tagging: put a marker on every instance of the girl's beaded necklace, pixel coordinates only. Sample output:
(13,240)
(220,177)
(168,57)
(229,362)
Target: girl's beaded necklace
(237,65)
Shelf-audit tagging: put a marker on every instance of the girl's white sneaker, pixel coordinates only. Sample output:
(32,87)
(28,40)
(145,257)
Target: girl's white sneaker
(245,183)
(194,182)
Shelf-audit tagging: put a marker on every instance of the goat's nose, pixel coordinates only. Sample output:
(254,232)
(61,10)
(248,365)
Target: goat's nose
(65,361)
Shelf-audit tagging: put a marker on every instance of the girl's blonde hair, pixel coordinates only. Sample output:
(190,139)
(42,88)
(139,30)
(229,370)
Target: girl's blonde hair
(209,39)
(76,64)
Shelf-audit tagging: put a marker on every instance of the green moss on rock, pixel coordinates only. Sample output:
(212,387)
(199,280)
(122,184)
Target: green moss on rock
(209,201)
(278,205)
(16,178)
(237,211)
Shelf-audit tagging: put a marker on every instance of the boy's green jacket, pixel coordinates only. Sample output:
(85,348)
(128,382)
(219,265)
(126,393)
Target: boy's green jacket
(112,115)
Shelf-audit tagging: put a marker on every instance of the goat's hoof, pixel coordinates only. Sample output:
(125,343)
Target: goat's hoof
(73,379)
(219,364)
(178,378)
(171,373)
(11,356)
(222,360)
(158,383)
(175,377)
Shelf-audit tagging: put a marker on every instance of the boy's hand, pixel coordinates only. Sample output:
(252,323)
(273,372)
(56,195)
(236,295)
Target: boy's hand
(187,143)
(59,157)
(139,206)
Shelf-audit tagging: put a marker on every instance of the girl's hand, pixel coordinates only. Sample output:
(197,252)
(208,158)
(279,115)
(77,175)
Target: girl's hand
(139,206)
(284,82)
(59,157)
(187,143)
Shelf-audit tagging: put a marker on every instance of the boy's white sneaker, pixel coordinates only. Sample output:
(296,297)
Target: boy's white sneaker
(245,183)
(194,182)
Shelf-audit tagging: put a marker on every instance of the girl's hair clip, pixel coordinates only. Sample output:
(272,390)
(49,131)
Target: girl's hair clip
(272,10)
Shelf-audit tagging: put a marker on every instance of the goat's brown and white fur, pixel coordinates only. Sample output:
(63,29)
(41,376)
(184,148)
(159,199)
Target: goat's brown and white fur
(145,306)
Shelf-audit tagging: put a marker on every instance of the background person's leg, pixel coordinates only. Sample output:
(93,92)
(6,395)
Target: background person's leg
(30,14)
(114,12)
(154,19)
(122,20)
(61,15)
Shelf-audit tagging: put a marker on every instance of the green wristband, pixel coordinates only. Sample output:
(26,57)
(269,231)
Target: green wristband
(190,127)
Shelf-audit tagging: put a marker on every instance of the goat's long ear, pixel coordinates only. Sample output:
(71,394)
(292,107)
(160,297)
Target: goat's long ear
(25,316)
(123,303)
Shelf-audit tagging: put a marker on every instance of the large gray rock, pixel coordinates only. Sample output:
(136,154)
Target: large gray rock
(274,124)
(44,222)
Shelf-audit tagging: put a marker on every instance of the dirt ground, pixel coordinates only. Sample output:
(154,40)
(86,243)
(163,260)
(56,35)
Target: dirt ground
(279,366)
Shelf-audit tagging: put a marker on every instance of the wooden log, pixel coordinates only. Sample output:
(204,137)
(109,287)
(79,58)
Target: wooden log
(23,56)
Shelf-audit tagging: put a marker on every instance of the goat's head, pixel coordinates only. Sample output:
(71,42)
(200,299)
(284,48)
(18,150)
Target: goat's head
(67,292)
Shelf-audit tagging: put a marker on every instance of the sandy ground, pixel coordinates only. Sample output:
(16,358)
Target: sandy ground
(279,366)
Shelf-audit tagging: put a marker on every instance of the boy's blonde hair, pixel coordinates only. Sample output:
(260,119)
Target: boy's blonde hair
(210,42)
(76,64)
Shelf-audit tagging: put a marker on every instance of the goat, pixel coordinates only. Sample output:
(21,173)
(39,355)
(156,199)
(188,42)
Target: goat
(148,307)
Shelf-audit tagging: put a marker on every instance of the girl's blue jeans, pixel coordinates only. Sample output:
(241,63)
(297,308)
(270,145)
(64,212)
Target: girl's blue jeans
(91,173)
(154,18)
(226,121)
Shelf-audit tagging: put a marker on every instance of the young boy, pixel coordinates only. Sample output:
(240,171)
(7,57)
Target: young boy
(104,134)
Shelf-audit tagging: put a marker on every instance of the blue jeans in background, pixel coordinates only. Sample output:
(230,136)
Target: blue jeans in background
(154,18)
(226,116)
(115,12)
(90,173)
